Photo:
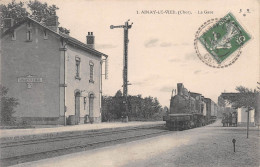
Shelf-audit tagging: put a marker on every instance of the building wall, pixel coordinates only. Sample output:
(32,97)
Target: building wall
(213,108)
(41,58)
(242,116)
(84,86)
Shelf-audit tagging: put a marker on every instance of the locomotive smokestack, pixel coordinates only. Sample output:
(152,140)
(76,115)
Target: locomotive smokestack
(179,88)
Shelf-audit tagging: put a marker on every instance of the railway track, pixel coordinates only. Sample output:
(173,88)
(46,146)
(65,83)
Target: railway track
(25,150)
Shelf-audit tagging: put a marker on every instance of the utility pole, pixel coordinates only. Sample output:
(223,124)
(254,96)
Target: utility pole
(125,65)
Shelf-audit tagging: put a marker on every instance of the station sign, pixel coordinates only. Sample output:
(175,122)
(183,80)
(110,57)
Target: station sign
(29,80)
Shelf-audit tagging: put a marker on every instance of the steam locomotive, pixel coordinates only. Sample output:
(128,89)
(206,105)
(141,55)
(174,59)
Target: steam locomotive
(189,110)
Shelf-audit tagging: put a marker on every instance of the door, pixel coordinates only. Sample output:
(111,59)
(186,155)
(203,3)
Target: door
(77,107)
(91,107)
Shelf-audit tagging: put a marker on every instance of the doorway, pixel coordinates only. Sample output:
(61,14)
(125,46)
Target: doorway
(91,107)
(77,107)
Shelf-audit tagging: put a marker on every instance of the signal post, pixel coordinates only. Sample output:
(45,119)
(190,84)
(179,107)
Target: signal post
(126,27)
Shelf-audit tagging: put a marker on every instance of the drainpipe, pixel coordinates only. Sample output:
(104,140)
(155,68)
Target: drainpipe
(65,81)
(64,49)
(101,88)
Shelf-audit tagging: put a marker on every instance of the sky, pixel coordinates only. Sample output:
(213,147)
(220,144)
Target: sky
(161,49)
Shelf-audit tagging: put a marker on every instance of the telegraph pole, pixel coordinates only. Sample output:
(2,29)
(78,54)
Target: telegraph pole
(125,64)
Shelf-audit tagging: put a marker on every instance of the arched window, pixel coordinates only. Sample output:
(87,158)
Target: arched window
(77,107)
(91,104)
(77,59)
(29,35)
(91,72)
(14,35)
(45,34)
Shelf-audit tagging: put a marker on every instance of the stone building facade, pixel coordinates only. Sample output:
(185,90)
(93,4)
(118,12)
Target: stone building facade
(56,78)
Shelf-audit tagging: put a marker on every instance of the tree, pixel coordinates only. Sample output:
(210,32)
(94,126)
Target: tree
(41,11)
(221,102)
(244,98)
(7,106)
(14,10)
(147,108)
(119,94)
(247,98)
(35,9)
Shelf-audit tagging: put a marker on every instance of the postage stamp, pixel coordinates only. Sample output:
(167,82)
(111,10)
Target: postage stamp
(220,41)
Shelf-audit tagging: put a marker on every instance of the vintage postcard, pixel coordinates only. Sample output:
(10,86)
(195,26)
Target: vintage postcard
(130,83)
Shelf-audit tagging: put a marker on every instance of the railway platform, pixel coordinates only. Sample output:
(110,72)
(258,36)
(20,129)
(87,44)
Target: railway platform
(63,130)
(24,145)
(206,146)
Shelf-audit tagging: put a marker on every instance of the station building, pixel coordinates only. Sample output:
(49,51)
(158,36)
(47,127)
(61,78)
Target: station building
(242,116)
(242,113)
(55,77)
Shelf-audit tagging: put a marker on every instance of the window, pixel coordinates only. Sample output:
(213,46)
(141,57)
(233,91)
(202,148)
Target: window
(13,35)
(29,35)
(29,25)
(45,34)
(77,68)
(91,70)
(85,102)
(91,106)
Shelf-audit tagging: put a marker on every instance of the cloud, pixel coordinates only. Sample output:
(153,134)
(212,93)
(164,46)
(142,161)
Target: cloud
(105,46)
(140,83)
(185,43)
(166,89)
(151,43)
(166,44)
(191,56)
(147,81)
(197,71)
(175,60)
(156,42)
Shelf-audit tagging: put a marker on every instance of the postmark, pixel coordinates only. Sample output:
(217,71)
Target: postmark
(218,42)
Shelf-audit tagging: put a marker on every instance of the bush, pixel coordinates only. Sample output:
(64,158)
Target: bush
(139,108)
(7,107)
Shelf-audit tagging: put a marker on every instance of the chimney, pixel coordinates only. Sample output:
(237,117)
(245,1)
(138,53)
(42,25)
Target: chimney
(179,88)
(7,23)
(52,23)
(91,40)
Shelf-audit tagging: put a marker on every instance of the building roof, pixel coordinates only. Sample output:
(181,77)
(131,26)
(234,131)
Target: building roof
(231,94)
(69,39)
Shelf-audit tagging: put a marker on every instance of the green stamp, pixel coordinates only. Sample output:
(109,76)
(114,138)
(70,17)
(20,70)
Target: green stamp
(224,38)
